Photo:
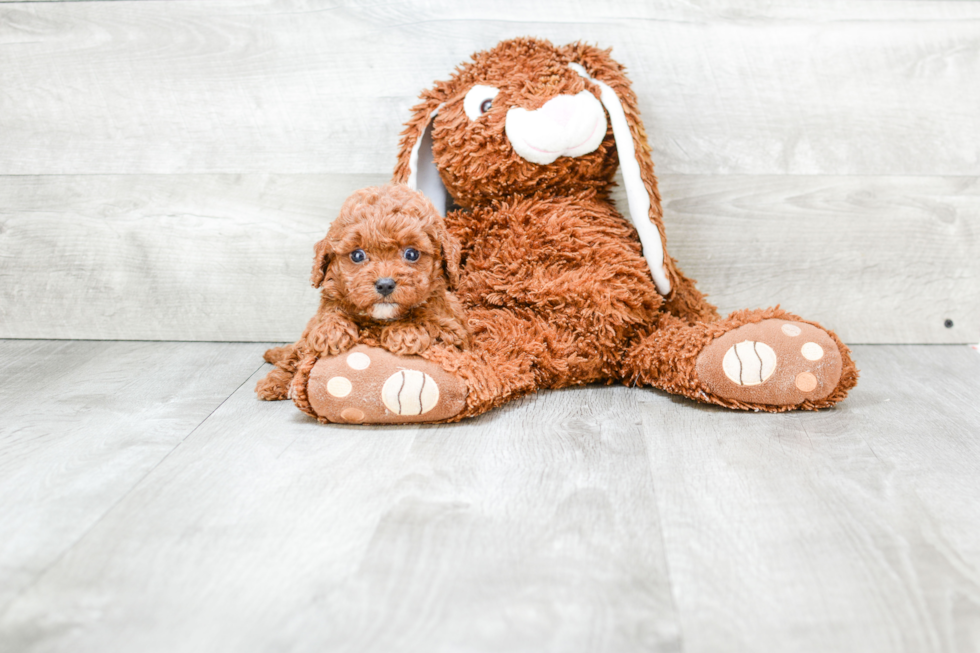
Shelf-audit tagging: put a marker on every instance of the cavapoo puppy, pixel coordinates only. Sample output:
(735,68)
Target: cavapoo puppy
(384,270)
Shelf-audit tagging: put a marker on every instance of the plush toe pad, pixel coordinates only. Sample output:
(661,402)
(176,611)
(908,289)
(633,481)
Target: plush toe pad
(367,385)
(773,362)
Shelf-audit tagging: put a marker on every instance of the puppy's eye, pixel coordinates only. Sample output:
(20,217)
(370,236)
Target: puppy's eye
(358,256)
(411,254)
(478,100)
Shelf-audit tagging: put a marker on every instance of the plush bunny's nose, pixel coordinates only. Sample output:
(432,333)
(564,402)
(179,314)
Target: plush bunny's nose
(566,125)
(559,110)
(385,286)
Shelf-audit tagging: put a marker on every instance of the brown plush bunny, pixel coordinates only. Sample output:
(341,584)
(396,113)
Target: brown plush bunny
(560,288)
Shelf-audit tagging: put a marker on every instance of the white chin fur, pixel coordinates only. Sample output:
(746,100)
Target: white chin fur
(566,125)
(384,311)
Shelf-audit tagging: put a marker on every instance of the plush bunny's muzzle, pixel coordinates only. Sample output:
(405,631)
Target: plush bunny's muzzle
(566,125)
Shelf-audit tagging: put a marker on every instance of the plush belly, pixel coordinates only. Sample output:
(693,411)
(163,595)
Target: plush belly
(572,261)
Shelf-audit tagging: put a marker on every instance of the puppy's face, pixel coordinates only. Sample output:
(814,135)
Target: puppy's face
(386,265)
(384,254)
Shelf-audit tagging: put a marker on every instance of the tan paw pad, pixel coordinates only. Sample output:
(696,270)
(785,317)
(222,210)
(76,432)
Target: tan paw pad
(410,392)
(339,386)
(358,360)
(812,351)
(749,362)
(806,382)
(352,415)
(773,363)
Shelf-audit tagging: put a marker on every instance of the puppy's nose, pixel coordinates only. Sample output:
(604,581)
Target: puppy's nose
(385,286)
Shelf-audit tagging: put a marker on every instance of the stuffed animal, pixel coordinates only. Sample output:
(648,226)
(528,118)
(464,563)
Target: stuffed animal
(521,145)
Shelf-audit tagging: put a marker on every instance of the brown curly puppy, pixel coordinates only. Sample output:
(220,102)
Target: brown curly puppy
(384,271)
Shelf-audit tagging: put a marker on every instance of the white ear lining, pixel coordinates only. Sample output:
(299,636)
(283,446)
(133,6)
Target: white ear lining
(423,174)
(636,193)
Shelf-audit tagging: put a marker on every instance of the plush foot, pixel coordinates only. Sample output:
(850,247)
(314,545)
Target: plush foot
(368,385)
(776,363)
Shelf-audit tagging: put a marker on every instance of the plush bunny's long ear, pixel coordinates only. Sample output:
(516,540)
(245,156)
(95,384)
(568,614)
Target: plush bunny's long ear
(416,166)
(641,193)
(683,299)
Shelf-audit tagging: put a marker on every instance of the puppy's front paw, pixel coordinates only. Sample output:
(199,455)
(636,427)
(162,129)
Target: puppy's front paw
(333,336)
(405,339)
(452,332)
(275,385)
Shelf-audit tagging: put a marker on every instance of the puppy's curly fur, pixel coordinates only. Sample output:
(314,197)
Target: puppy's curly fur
(372,292)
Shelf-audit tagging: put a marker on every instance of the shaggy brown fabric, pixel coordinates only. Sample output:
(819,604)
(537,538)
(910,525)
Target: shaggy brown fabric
(552,276)
(383,224)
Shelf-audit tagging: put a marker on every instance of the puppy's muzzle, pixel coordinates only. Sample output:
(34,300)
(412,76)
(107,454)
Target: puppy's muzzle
(385,286)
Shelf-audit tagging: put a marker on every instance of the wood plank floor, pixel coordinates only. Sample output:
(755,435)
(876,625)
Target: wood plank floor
(148,502)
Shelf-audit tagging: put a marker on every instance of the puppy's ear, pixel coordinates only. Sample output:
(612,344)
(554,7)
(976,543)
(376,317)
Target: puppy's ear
(634,155)
(321,261)
(450,258)
(416,166)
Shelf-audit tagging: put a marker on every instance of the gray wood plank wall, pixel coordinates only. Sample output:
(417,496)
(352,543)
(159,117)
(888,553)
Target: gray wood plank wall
(167,166)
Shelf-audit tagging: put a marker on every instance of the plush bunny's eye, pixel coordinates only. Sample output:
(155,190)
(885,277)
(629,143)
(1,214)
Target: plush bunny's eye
(478,100)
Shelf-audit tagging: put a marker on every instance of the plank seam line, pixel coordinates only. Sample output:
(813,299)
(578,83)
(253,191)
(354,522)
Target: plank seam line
(33,2)
(681,640)
(58,559)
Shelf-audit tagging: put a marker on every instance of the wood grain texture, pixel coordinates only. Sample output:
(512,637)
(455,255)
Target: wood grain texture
(227,257)
(166,165)
(302,86)
(81,424)
(589,519)
(533,529)
(853,529)
(208,257)
(876,259)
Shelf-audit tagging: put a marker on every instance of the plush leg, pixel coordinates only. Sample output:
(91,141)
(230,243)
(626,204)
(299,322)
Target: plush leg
(369,385)
(685,300)
(756,360)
